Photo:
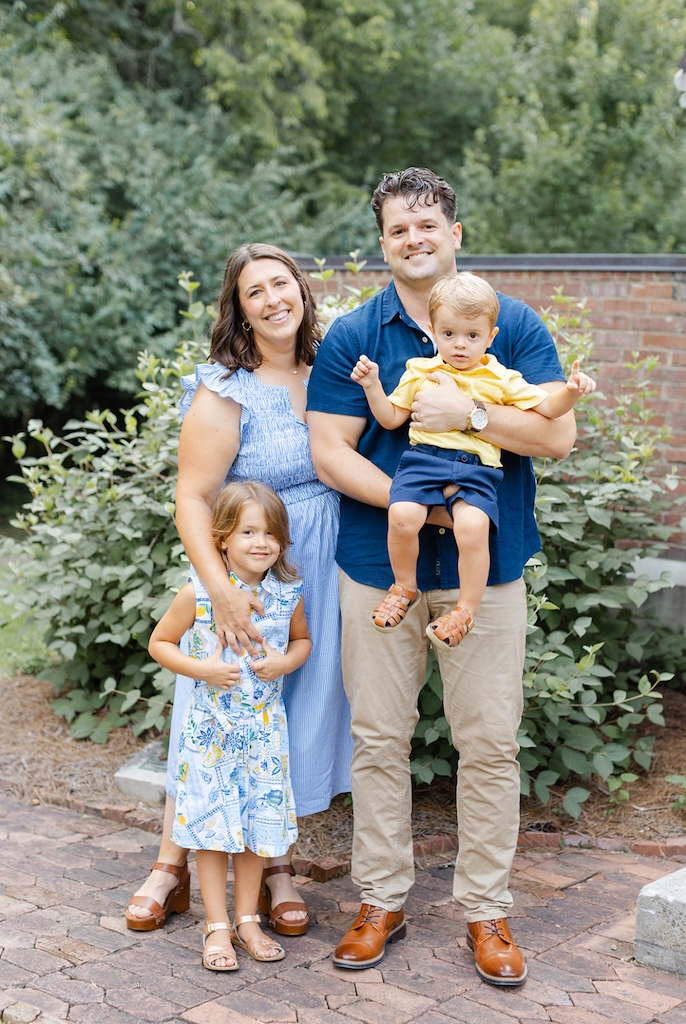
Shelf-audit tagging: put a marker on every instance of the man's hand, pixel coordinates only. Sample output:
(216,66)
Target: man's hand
(365,372)
(442,408)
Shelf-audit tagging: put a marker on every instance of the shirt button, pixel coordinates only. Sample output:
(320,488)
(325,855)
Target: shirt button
(425,340)
(442,530)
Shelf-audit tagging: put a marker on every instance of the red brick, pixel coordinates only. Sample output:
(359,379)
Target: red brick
(550,840)
(329,867)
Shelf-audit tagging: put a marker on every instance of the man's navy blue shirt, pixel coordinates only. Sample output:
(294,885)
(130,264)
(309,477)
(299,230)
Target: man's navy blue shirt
(382,330)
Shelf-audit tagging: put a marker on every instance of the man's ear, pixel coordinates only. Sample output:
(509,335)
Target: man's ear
(383,249)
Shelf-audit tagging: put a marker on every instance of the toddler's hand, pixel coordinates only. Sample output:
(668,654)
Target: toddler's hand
(579,381)
(271,666)
(219,673)
(365,372)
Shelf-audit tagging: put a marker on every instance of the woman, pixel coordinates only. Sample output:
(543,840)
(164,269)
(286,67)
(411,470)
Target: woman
(244,418)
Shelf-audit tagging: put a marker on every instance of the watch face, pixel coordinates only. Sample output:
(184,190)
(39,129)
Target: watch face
(478,419)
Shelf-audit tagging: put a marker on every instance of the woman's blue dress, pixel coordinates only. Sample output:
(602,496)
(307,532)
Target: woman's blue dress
(275,448)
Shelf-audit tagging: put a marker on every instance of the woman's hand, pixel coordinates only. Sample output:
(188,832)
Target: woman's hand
(231,606)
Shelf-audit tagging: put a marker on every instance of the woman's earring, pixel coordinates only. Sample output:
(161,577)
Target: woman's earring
(246,326)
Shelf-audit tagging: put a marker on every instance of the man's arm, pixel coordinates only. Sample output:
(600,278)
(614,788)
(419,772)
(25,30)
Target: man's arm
(333,444)
(522,432)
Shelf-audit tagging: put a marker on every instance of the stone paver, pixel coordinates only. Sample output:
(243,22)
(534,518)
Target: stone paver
(66,955)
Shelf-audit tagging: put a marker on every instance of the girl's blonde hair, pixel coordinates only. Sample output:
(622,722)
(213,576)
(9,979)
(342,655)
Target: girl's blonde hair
(227,512)
(465,294)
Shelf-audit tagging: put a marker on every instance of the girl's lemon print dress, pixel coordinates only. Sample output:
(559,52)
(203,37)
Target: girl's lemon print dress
(233,781)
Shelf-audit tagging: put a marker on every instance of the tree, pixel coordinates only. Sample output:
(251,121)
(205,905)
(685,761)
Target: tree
(586,150)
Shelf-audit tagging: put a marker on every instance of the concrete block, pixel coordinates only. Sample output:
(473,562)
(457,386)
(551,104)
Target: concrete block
(143,777)
(661,924)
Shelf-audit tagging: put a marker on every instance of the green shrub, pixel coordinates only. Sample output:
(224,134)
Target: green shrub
(101,550)
(587,688)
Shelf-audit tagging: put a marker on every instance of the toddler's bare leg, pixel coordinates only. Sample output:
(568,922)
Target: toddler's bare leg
(471,527)
(405,520)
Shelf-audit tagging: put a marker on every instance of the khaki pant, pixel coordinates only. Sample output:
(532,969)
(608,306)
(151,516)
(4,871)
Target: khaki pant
(482,681)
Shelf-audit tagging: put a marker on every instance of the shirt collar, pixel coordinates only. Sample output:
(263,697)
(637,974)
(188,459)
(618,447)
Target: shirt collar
(269,584)
(392,306)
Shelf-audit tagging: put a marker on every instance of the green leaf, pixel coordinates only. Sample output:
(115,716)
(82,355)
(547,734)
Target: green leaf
(573,799)
(543,781)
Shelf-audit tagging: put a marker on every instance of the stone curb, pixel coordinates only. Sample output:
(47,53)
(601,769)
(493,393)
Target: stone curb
(23,1013)
(326,868)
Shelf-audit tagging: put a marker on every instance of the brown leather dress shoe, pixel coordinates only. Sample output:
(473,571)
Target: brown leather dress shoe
(365,944)
(497,958)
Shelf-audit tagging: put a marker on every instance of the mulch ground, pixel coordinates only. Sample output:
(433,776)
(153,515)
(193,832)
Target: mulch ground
(41,763)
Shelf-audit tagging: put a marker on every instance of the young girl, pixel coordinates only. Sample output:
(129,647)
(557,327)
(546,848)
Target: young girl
(234,789)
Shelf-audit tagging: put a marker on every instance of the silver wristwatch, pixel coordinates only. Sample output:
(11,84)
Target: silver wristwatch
(477,418)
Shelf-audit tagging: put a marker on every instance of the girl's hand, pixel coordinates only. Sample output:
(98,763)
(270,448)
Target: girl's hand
(271,666)
(218,673)
(579,381)
(365,372)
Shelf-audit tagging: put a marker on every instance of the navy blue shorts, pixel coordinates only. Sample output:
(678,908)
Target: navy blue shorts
(425,470)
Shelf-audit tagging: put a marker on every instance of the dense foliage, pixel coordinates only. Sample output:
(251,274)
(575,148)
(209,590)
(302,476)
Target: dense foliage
(100,555)
(148,135)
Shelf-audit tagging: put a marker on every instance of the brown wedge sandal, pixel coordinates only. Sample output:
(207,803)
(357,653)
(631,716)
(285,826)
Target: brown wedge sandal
(275,914)
(210,956)
(260,943)
(451,629)
(393,608)
(176,902)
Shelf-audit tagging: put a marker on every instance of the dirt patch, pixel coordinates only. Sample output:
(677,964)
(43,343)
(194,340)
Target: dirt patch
(41,763)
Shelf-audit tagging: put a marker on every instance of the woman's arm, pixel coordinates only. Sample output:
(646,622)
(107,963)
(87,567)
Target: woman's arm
(208,446)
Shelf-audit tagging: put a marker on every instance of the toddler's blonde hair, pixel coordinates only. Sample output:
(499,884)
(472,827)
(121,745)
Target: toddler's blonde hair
(465,294)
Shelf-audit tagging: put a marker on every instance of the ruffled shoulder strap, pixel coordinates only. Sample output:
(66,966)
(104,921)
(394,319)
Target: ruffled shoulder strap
(214,377)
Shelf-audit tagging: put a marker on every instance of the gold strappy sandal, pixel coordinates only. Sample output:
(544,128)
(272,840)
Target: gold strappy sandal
(210,956)
(253,946)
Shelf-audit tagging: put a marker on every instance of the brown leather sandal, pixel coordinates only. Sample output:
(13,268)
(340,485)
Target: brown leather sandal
(275,914)
(393,608)
(451,629)
(176,902)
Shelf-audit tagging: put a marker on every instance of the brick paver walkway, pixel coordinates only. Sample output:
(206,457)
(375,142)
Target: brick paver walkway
(67,955)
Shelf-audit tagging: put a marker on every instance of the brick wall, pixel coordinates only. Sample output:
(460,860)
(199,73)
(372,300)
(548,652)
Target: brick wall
(636,303)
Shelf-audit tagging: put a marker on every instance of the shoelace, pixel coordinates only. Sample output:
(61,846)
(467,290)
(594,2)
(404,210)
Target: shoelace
(495,928)
(371,915)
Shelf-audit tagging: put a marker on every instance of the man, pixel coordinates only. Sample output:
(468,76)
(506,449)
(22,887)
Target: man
(383,674)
